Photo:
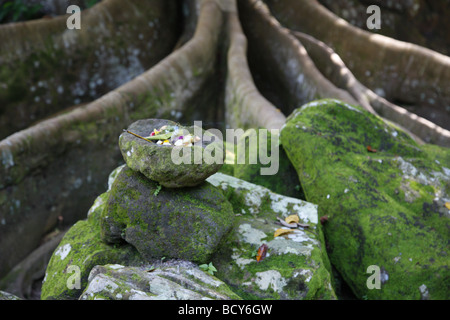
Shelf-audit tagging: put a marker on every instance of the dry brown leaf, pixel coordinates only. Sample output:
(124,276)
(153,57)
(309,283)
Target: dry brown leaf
(370,149)
(262,251)
(280,232)
(292,219)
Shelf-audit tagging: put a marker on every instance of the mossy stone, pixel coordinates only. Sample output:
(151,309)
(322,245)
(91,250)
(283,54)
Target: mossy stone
(284,181)
(383,195)
(80,250)
(183,223)
(165,281)
(296,265)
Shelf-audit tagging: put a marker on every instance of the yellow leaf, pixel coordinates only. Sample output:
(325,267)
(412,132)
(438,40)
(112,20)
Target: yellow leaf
(292,219)
(280,232)
(447,204)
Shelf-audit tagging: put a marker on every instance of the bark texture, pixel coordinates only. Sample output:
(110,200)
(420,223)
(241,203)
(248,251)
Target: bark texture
(400,72)
(52,68)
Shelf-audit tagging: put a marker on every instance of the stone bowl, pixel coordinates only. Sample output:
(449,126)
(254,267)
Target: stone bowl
(171,166)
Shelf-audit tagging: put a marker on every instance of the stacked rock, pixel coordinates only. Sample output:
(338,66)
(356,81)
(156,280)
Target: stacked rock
(162,208)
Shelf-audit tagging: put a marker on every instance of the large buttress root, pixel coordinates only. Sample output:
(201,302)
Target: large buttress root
(397,70)
(76,151)
(245,107)
(283,61)
(403,70)
(47,68)
(332,66)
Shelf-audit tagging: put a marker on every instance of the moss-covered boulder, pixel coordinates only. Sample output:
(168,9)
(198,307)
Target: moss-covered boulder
(184,223)
(79,251)
(171,165)
(171,280)
(295,264)
(384,197)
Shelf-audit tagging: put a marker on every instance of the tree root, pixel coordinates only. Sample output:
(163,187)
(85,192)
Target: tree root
(292,72)
(45,67)
(245,105)
(331,65)
(399,71)
(80,147)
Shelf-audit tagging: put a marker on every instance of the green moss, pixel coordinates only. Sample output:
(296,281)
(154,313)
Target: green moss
(290,266)
(379,206)
(86,250)
(185,223)
(236,260)
(284,181)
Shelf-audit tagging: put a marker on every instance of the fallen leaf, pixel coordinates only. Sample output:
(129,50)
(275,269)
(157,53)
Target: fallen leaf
(370,149)
(160,136)
(323,219)
(447,205)
(262,251)
(280,232)
(292,219)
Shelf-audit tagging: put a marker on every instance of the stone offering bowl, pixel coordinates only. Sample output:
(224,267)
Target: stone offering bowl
(171,166)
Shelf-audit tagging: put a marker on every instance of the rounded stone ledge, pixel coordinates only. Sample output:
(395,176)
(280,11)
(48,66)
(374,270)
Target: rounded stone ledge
(172,280)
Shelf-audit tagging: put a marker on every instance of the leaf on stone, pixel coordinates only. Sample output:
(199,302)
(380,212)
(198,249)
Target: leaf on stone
(370,149)
(208,268)
(211,267)
(262,251)
(292,219)
(447,205)
(280,232)
(161,136)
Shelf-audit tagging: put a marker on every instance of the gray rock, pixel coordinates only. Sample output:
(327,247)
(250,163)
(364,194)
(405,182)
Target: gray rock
(296,264)
(171,166)
(183,223)
(173,280)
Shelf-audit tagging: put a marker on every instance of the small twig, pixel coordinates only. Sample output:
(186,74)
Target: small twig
(284,223)
(136,135)
(303,225)
(292,225)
